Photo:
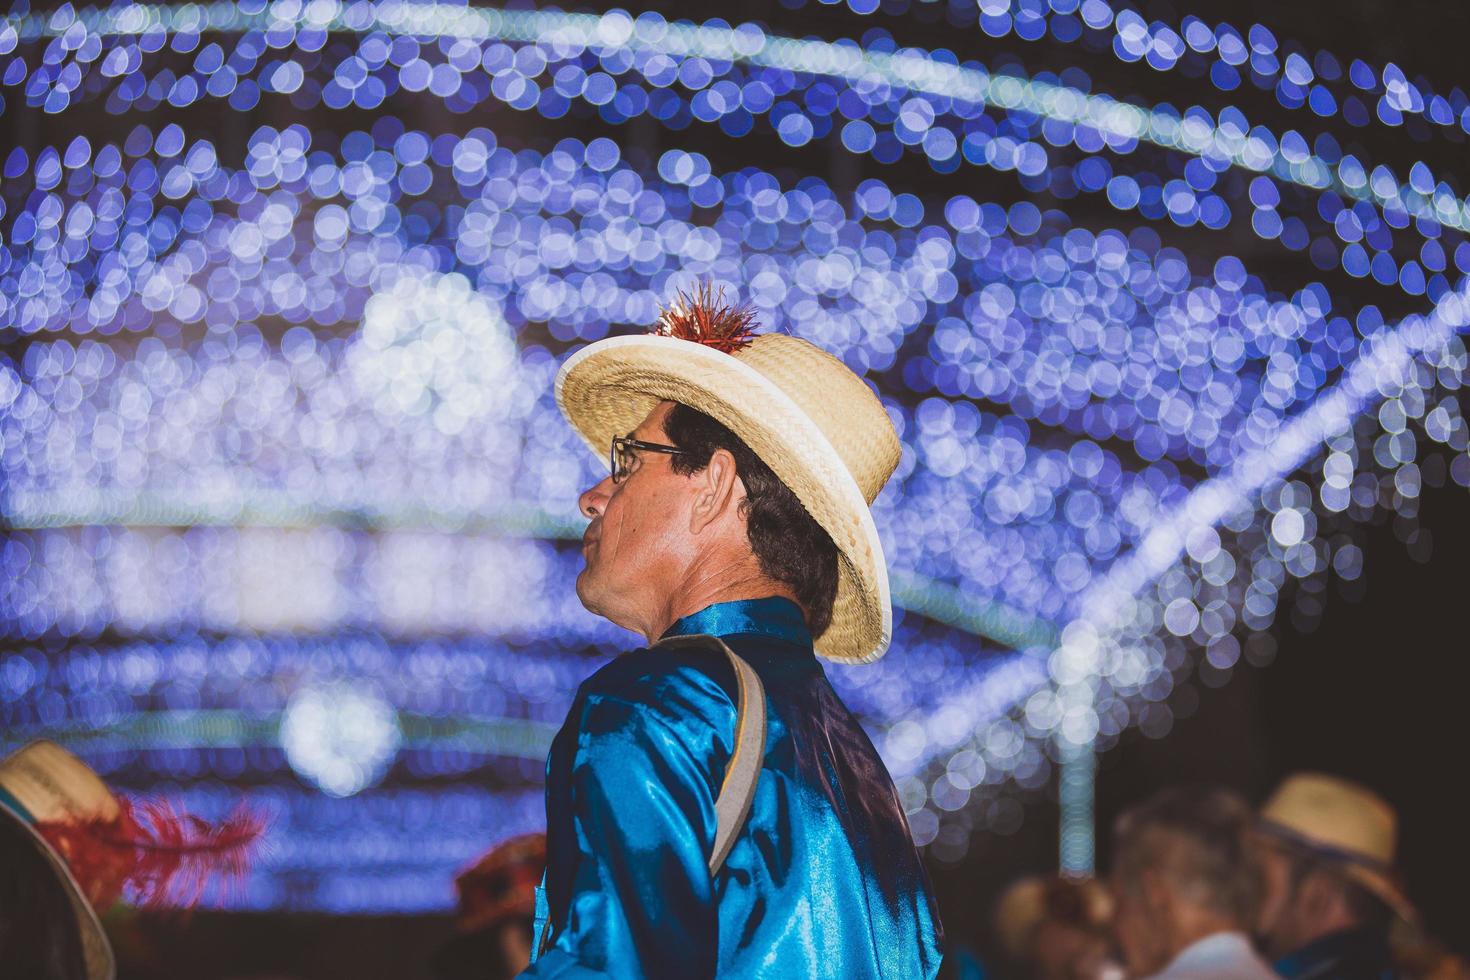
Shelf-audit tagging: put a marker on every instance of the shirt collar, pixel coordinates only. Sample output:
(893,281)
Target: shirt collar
(1221,947)
(775,617)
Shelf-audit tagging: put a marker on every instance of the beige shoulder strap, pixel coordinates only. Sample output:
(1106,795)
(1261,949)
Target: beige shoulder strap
(744,769)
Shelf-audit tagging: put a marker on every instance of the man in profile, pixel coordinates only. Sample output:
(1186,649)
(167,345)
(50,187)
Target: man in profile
(1186,887)
(1327,856)
(712,806)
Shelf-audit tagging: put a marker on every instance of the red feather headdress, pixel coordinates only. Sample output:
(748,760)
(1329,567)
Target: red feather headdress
(707,319)
(153,854)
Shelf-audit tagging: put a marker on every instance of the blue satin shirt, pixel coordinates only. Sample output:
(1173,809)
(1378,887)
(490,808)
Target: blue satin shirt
(824,879)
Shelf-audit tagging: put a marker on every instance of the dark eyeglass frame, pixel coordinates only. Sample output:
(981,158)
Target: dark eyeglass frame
(623,447)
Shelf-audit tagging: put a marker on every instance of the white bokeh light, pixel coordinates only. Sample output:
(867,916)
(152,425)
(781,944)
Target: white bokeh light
(340,736)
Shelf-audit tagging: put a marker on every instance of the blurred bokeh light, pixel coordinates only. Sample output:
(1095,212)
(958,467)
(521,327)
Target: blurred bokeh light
(288,505)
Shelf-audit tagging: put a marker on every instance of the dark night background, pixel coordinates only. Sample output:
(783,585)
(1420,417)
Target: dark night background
(1376,693)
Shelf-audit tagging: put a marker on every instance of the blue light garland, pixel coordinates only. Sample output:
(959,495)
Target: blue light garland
(279,416)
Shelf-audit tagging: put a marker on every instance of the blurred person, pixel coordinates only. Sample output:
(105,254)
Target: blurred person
(1327,858)
(69,847)
(1422,956)
(1058,928)
(1186,887)
(496,913)
(713,808)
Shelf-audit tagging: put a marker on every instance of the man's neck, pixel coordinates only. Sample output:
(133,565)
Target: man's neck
(715,580)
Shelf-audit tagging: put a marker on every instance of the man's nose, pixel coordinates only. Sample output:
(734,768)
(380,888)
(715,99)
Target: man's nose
(594,499)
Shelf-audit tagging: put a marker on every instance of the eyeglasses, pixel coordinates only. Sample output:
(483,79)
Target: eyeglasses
(620,460)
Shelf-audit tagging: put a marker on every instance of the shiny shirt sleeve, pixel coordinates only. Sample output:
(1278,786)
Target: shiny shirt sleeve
(642,902)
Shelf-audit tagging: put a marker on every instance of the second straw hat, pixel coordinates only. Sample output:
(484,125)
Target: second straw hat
(1342,823)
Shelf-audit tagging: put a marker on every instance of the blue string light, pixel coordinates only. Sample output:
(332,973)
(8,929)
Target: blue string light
(280,415)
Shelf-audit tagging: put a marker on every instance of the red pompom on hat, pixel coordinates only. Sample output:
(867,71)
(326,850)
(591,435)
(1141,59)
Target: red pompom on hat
(707,319)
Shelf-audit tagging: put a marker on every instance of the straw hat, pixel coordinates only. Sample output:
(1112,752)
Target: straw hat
(1342,823)
(44,783)
(807,416)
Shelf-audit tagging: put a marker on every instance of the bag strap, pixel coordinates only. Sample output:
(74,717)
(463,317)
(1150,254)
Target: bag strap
(737,789)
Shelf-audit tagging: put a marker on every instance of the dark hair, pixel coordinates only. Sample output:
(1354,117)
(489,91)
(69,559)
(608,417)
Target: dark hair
(1199,838)
(1077,903)
(39,935)
(792,548)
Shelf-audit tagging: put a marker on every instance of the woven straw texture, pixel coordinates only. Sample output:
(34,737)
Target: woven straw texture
(813,421)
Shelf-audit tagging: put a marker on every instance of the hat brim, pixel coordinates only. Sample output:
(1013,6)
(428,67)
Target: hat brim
(1378,883)
(1385,889)
(609,387)
(96,950)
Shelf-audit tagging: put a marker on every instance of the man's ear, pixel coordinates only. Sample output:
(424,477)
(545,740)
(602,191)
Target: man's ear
(717,491)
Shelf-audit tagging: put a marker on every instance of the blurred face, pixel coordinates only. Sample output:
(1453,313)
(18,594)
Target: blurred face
(639,542)
(1273,924)
(1299,904)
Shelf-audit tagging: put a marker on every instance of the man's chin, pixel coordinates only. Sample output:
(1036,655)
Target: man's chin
(587,593)
(594,596)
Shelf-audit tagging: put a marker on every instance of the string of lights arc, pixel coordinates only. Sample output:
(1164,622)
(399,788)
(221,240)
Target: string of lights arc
(1298,76)
(1078,659)
(562,37)
(287,498)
